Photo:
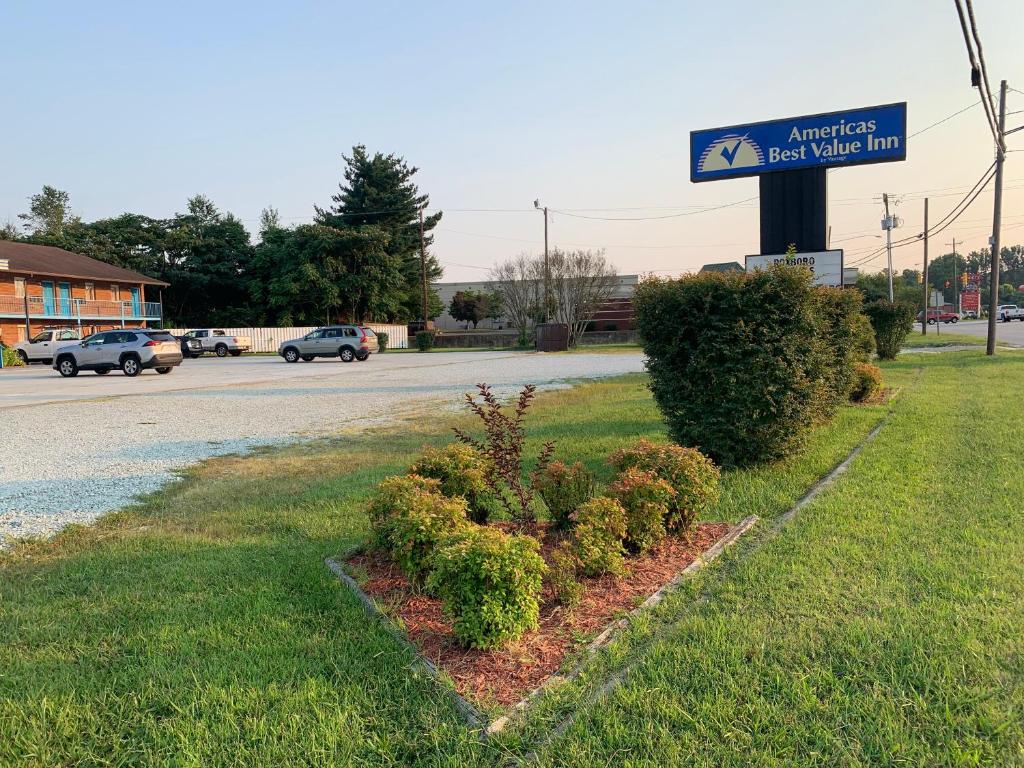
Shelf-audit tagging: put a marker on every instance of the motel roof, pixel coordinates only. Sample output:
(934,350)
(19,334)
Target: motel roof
(49,261)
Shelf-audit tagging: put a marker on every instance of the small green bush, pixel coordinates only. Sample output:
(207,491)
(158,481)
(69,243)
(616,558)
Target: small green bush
(846,336)
(692,476)
(562,581)
(864,343)
(11,358)
(462,472)
(892,322)
(647,500)
(868,382)
(740,364)
(410,518)
(490,584)
(564,489)
(382,340)
(599,527)
(425,340)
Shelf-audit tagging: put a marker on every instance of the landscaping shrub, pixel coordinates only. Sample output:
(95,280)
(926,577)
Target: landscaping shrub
(425,340)
(382,340)
(693,477)
(864,343)
(738,362)
(410,518)
(11,358)
(563,489)
(847,334)
(490,584)
(892,322)
(504,438)
(868,382)
(562,581)
(599,527)
(462,471)
(646,499)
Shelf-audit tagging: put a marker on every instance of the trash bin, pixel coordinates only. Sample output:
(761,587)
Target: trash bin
(552,337)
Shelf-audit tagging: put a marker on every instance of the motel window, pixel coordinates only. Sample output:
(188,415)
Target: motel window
(19,287)
(90,292)
(115,293)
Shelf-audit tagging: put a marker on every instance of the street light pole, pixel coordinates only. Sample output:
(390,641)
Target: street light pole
(924,316)
(887,225)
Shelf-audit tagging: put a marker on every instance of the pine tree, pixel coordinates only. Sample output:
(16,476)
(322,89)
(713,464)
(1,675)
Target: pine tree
(379,192)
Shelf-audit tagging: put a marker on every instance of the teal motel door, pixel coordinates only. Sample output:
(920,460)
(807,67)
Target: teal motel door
(136,304)
(48,298)
(64,306)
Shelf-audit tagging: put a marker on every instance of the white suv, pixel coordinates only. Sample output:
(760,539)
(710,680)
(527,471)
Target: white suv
(130,350)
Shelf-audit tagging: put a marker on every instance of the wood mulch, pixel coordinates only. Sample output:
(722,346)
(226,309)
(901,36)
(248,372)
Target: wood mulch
(505,675)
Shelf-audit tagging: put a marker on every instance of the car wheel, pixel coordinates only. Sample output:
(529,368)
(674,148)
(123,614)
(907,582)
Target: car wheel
(955,320)
(931,321)
(346,354)
(164,369)
(102,371)
(308,358)
(23,356)
(221,350)
(67,367)
(291,355)
(236,352)
(131,366)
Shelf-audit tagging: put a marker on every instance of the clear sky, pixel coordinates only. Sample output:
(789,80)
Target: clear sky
(137,106)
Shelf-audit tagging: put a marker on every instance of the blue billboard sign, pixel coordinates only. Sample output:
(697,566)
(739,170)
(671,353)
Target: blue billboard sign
(852,137)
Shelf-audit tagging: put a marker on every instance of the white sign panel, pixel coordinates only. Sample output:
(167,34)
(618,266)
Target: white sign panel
(827,266)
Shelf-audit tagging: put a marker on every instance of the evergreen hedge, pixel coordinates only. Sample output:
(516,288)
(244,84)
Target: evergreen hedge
(892,321)
(743,365)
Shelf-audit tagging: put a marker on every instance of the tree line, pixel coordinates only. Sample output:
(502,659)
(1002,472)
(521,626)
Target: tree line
(358,261)
(946,272)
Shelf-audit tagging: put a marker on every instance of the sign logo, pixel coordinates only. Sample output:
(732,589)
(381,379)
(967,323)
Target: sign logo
(855,136)
(730,151)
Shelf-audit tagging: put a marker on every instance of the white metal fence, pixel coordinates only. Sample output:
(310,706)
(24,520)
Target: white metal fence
(268,339)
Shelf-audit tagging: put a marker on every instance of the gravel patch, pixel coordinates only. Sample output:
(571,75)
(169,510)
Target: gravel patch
(70,462)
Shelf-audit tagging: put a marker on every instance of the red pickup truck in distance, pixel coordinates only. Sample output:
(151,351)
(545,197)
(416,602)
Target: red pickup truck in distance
(937,315)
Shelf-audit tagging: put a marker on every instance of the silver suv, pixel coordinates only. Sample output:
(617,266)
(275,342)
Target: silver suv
(130,350)
(349,342)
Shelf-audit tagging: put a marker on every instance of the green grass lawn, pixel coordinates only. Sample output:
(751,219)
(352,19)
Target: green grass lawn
(882,626)
(941,339)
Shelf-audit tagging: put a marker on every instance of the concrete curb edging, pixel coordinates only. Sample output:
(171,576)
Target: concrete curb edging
(609,632)
(473,716)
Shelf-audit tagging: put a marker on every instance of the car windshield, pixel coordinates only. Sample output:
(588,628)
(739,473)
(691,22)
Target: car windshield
(369,331)
(160,336)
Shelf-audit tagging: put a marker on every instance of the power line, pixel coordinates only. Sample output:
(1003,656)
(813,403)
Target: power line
(653,218)
(976,70)
(972,105)
(990,102)
(945,222)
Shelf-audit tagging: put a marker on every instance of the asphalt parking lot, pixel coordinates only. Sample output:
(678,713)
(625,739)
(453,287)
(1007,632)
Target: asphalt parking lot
(75,448)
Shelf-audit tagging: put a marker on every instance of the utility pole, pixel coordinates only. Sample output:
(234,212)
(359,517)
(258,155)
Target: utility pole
(956,278)
(547,273)
(924,317)
(423,271)
(997,217)
(887,226)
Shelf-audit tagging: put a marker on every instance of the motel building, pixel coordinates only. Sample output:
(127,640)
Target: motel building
(46,287)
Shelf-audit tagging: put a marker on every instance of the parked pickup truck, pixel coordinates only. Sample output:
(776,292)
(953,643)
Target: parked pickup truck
(937,316)
(216,341)
(1008,312)
(40,348)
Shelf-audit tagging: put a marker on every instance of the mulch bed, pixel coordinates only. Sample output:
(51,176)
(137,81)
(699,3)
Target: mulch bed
(505,675)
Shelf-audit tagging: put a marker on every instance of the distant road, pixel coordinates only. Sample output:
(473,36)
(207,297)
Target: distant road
(1008,334)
